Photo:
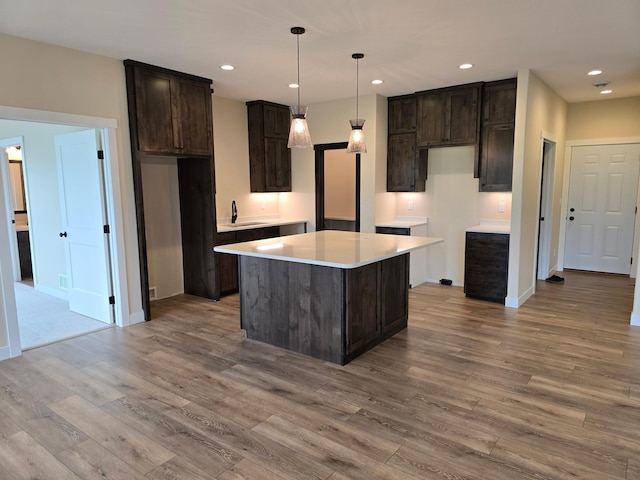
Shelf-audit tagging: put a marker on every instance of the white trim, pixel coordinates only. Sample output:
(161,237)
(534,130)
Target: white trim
(59,118)
(61,294)
(635,319)
(513,302)
(137,317)
(5,352)
(114,205)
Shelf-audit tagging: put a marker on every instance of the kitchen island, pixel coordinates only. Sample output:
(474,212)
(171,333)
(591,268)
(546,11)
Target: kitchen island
(331,294)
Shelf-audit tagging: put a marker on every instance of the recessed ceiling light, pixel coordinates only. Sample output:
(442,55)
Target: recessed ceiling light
(376,82)
(293,85)
(465,66)
(606,92)
(594,72)
(226,67)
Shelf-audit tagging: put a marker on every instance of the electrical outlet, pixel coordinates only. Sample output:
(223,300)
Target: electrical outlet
(501,207)
(262,205)
(410,204)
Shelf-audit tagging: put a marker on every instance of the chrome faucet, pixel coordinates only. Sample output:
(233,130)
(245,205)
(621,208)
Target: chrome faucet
(234,211)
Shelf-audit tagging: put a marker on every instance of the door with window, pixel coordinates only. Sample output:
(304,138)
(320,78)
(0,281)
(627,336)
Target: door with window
(603,188)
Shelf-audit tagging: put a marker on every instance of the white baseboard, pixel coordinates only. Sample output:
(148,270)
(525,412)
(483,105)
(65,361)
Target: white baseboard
(137,317)
(513,302)
(53,292)
(635,319)
(5,353)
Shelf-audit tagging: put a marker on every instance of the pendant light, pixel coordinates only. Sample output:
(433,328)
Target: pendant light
(299,136)
(356,139)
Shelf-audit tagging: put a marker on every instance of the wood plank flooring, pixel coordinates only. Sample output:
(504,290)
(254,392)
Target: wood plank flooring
(471,390)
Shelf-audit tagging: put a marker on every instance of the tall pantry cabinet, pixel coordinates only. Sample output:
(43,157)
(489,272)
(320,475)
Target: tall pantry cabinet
(170,116)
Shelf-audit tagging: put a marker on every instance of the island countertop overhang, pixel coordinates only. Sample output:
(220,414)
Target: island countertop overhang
(331,248)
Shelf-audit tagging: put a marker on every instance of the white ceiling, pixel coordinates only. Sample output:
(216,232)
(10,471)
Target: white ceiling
(411,44)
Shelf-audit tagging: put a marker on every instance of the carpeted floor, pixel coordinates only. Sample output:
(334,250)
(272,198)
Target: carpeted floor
(45,319)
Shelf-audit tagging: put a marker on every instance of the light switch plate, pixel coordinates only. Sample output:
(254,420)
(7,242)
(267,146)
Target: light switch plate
(501,207)
(410,204)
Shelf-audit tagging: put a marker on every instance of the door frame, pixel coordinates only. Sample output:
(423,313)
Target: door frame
(108,131)
(6,186)
(565,196)
(319,183)
(545,209)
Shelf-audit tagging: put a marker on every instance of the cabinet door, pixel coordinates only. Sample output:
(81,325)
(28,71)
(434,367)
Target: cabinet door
(496,163)
(194,112)
(277,165)
(155,112)
(406,167)
(394,309)
(276,121)
(363,315)
(462,116)
(431,127)
(402,115)
(486,265)
(499,103)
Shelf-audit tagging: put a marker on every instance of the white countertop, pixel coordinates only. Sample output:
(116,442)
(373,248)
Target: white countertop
(257,223)
(330,248)
(490,229)
(403,222)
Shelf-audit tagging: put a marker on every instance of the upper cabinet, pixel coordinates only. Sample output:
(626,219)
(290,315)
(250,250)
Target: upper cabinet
(269,156)
(406,170)
(172,111)
(448,116)
(495,167)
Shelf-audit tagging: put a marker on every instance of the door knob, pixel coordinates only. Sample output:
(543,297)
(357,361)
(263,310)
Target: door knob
(62,234)
(572,218)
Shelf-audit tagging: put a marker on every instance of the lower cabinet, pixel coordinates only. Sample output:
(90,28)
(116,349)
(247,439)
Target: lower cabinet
(228,264)
(486,266)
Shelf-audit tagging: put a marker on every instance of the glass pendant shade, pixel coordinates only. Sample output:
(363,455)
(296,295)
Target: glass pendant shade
(299,136)
(356,138)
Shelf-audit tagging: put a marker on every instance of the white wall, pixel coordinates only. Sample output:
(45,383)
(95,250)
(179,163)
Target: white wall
(163,229)
(41,178)
(538,110)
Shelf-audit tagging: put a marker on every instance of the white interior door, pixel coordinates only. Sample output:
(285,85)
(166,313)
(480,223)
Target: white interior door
(83,219)
(602,204)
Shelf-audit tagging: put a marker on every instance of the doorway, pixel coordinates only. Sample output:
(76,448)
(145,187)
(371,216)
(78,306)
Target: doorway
(22,119)
(337,188)
(544,268)
(603,185)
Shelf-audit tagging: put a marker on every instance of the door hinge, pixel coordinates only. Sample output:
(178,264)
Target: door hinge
(636,210)
(631,262)
(107,229)
(112,300)
(100,154)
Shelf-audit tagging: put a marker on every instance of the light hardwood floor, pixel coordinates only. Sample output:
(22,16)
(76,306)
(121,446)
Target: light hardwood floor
(471,390)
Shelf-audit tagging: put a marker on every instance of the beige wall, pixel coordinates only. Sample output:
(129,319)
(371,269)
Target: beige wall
(615,118)
(49,78)
(539,110)
(339,185)
(325,127)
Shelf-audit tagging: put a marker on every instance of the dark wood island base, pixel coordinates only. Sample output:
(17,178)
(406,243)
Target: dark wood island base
(330,313)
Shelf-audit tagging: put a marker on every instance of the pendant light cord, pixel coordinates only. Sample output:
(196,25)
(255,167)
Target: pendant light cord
(357,91)
(298,44)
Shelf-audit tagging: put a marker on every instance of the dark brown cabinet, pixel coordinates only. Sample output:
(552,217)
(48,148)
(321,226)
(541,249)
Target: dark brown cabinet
(170,116)
(269,156)
(449,116)
(172,112)
(402,114)
(406,166)
(495,167)
(486,266)
(24,254)
(227,263)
